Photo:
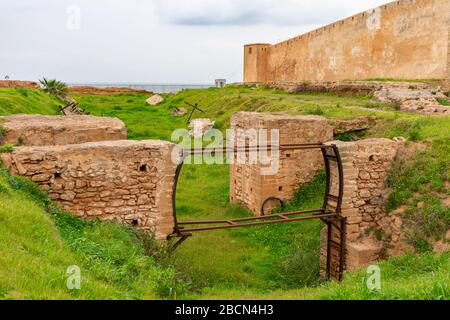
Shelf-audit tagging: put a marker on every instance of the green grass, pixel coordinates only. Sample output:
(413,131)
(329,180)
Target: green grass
(38,244)
(262,262)
(444,102)
(411,277)
(156,122)
(14,101)
(7,148)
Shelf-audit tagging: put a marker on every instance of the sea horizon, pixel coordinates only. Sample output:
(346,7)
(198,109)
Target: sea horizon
(154,87)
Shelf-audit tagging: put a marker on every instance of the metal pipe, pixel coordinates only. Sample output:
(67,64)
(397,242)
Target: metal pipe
(260,223)
(252,218)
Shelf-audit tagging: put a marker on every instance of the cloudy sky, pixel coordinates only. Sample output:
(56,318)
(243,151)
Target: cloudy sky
(150,41)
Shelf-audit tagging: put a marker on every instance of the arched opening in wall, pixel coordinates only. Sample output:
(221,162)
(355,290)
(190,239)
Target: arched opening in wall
(190,203)
(250,50)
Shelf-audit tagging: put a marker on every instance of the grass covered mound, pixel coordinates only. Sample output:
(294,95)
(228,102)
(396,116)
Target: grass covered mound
(39,243)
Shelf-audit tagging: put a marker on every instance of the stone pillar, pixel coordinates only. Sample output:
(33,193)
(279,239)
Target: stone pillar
(366,165)
(127,181)
(249,187)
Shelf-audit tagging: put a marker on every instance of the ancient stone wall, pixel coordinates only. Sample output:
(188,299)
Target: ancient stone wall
(366,165)
(249,186)
(406,39)
(39,130)
(127,181)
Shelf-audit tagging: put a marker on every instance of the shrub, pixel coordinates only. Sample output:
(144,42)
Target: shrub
(444,102)
(7,148)
(54,87)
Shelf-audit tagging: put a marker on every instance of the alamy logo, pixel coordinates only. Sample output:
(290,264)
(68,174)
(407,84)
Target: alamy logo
(73,278)
(374,278)
(247,147)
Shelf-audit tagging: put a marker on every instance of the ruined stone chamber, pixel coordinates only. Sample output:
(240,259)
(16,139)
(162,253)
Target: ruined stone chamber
(40,130)
(87,167)
(250,186)
(127,181)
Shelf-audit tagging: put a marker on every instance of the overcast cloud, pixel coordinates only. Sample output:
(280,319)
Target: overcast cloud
(150,41)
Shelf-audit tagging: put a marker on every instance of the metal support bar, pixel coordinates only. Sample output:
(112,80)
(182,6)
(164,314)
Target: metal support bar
(259,223)
(329,214)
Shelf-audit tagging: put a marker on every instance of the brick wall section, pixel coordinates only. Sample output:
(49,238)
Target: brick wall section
(128,181)
(366,165)
(39,130)
(250,188)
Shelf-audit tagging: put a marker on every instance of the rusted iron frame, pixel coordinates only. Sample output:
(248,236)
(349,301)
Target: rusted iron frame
(287,214)
(224,150)
(325,215)
(281,220)
(192,151)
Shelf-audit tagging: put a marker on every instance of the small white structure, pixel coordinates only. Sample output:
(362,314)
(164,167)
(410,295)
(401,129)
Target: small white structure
(220,83)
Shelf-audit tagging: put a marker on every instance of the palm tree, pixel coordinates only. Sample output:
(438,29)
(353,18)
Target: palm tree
(55,87)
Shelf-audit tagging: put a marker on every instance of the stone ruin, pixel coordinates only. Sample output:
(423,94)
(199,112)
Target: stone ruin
(85,164)
(366,164)
(249,186)
(38,130)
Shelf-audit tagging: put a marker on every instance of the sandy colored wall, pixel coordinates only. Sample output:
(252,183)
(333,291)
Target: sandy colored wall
(127,181)
(406,39)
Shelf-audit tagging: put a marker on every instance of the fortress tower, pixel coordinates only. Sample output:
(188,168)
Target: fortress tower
(405,39)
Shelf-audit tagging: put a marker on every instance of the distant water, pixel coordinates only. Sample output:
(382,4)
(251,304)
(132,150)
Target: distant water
(157,88)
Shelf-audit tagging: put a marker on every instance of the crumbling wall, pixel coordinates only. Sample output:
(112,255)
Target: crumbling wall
(406,39)
(127,181)
(249,186)
(39,130)
(366,165)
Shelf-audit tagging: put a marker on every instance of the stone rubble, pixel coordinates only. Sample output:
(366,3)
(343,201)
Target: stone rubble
(199,127)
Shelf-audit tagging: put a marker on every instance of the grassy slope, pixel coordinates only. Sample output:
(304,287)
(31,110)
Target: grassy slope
(255,261)
(14,101)
(38,244)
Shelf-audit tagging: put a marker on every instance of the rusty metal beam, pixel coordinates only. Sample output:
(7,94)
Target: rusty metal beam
(210,228)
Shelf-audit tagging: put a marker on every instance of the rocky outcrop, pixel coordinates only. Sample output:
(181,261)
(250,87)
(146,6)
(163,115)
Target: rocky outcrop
(413,100)
(353,125)
(347,87)
(154,100)
(179,112)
